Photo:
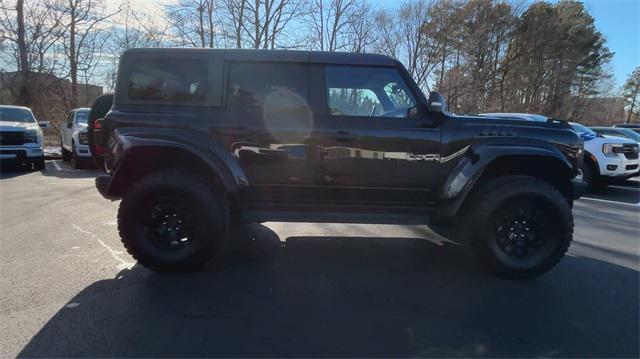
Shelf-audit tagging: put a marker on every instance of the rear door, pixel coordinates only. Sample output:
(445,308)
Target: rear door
(373,152)
(267,125)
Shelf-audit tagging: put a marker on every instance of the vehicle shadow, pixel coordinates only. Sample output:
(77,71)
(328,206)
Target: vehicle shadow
(11,170)
(347,297)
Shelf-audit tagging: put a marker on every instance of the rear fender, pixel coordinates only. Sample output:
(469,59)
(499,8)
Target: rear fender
(133,154)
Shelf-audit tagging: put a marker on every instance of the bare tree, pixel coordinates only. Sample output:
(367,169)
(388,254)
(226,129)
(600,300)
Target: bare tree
(334,24)
(81,18)
(30,31)
(234,21)
(194,22)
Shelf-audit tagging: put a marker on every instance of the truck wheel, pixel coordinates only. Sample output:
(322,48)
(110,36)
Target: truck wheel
(520,226)
(171,221)
(589,175)
(66,155)
(75,161)
(39,165)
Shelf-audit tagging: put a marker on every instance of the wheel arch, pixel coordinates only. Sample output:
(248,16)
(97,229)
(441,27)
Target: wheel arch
(486,162)
(142,159)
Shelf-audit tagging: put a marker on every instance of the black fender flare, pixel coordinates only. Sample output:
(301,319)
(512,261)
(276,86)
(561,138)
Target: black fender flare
(127,147)
(476,159)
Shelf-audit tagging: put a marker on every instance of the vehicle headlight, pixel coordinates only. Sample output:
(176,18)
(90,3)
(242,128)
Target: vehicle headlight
(31,136)
(611,149)
(83,137)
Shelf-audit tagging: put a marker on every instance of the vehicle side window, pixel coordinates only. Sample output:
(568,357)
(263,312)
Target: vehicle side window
(367,91)
(172,80)
(267,87)
(70,118)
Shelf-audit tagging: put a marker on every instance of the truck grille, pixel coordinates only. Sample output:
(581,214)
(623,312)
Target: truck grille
(630,151)
(12,138)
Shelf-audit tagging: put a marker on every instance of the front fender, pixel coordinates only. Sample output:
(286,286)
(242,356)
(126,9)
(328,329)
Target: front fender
(476,159)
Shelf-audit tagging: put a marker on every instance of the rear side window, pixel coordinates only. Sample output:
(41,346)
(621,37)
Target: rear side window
(172,80)
(271,87)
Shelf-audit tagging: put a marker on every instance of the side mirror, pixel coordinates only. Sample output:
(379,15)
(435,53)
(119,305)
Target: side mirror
(69,125)
(44,124)
(437,102)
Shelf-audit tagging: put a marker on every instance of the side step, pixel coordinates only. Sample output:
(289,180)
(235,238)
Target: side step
(333,217)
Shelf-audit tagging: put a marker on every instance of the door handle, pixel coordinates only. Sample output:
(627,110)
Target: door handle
(343,136)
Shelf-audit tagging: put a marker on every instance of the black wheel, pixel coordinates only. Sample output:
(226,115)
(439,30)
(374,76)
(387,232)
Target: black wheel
(66,155)
(520,227)
(590,175)
(39,165)
(171,221)
(75,161)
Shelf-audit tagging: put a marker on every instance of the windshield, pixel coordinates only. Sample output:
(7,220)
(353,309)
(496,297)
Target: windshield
(582,129)
(629,133)
(16,115)
(82,117)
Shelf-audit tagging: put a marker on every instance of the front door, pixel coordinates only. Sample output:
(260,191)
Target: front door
(267,126)
(373,152)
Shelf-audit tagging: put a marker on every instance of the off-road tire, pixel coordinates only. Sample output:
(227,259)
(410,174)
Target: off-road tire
(208,210)
(39,165)
(499,196)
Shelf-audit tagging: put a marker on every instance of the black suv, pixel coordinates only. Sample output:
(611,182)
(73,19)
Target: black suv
(199,139)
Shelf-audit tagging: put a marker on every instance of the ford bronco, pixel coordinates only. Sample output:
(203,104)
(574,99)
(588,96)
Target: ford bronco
(198,139)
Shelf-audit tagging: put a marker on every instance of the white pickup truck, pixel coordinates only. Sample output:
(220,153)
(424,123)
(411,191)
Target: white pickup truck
(21,137)
(74,140)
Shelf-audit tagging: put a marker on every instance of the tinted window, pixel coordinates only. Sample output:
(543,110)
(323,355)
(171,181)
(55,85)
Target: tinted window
(367,91)
(582,129)
(180,80)
(270,86)
(16,115)
(82,117)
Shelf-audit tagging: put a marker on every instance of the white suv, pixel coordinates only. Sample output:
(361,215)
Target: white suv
(74,139)
(607,158)
(21,137)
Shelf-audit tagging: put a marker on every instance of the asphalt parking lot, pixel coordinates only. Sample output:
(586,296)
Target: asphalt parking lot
(295,289)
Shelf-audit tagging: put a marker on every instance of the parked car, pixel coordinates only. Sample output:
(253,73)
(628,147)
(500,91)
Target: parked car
(21,137)
(74,139)
(618,132)
(607,158)
(99,109)
(633,126)
(198,139)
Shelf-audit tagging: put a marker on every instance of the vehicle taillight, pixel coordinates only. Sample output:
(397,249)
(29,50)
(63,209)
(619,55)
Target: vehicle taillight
(99,150)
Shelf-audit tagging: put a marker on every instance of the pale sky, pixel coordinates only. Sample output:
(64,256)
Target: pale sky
(618,20)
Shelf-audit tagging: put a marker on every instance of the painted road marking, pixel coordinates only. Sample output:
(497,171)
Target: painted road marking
(56,165)
(609,201)
(124,264)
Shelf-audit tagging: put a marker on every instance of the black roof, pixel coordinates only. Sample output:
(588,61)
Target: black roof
(280,55)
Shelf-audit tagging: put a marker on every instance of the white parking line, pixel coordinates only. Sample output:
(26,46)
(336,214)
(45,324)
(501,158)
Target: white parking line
(613,202)
(56,165)
(124,264)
